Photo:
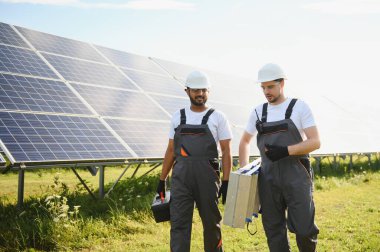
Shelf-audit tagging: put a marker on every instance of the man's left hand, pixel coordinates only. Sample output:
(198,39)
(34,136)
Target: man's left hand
(276,152)
(223,191)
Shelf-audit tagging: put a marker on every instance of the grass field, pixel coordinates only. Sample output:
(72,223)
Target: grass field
(59,215)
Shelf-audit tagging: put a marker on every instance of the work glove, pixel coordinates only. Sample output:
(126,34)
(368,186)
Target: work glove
(161,188)
(276,152)
(223,191)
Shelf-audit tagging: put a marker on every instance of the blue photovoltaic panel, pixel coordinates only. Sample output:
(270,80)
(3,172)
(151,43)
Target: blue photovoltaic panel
(59,45)
(23,61)
(10,37)
(171,104)
(156,83)
(49,138)
(120,103)
(88,72)
(27,93)
(129,60)
(147,139)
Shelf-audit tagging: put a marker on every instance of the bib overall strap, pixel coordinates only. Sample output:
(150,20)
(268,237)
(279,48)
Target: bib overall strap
(265,113)
(207,115)
(183,116)
(289,110)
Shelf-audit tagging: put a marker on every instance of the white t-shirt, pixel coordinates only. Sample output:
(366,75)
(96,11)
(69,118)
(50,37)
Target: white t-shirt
(301,116)
(217,123)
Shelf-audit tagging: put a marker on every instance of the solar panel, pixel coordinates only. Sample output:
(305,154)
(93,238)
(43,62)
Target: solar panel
(23,61)
(52,138)
(156,83)
(34,94)
(235,90)
(236,114)
(88,72)
(237,132)
(123,103)
(171,104)
(10,37)
(148,139)
(178,70)
(59,45)
(134,98)
(130,60)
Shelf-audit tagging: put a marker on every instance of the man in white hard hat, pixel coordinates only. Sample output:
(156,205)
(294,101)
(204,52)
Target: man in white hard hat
(193,153)
(286,134)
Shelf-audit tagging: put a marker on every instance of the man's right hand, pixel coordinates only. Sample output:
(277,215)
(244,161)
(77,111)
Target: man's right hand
(161,188)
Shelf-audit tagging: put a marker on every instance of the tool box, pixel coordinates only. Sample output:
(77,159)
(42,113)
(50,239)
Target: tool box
(161,207)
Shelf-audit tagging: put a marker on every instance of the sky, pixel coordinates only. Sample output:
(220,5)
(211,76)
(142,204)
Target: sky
(328,48)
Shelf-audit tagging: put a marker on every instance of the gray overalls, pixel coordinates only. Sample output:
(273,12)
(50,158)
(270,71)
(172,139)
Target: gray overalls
(195,177)
(285,184)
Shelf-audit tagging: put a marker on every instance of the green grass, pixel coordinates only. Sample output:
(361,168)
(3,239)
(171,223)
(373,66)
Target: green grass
(347,213)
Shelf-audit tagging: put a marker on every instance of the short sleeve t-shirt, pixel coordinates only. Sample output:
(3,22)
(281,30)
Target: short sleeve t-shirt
(301,116)
(217,123)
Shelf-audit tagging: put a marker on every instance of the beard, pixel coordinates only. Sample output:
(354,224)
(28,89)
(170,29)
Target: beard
(195,102)
(273,99)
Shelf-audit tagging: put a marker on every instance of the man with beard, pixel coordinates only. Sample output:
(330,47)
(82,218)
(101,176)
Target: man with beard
(193,153)
(286,134)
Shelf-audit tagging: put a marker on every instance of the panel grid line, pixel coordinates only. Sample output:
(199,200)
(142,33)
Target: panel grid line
(133,81)
(125,145)
(33,137)
(59,45)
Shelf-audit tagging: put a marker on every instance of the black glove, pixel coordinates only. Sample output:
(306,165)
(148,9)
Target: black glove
(276,152)
(161,188)
(223,191)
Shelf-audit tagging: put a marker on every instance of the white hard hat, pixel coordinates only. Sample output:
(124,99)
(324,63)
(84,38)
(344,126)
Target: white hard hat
(270,72)
(197,80)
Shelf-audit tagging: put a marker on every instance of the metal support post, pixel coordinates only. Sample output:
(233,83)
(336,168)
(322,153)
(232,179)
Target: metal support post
(101,182)
(137,168)
(318,164)
(157,165)
(83,183)
(20,192)
(117,180)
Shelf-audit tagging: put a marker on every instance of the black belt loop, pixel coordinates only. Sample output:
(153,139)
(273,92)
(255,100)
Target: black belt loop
(183,116)
(265,113)
(207,115)
(289,110)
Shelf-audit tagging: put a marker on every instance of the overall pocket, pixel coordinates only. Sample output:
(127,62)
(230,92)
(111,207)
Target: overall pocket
(214,163)
(305,163)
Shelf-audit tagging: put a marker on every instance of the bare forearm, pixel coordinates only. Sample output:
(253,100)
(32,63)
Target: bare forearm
(304,147)
(167,164)
(225,146)
(226,166)
(243,154)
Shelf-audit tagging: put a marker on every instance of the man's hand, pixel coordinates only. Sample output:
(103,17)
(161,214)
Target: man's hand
(161,188)
(223,191)
(276,152)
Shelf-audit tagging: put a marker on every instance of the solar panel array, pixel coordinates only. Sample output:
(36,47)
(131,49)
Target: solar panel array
(63,100)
